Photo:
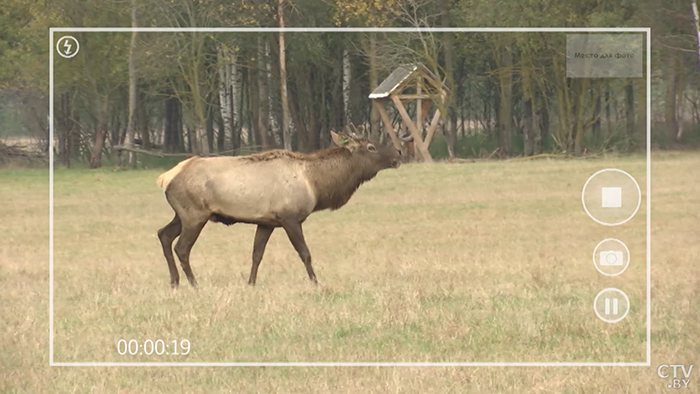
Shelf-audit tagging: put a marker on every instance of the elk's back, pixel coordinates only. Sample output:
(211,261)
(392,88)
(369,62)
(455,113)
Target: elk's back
(245,190)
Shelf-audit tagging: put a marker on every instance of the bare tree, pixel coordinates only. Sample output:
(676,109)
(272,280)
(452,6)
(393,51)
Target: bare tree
(131,127)
(449,78)
(286,135)
(373,83)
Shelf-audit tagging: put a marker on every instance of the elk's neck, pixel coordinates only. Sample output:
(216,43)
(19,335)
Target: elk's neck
(335,179)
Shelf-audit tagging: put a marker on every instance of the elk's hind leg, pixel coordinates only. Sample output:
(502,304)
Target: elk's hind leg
(167,235)
(183,246)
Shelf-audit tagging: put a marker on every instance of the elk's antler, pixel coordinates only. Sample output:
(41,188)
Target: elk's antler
(352,130)
(406,137)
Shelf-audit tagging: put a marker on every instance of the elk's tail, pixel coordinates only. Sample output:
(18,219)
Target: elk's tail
(165,178)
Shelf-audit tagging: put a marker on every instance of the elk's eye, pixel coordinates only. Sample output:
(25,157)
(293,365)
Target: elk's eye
(371,148)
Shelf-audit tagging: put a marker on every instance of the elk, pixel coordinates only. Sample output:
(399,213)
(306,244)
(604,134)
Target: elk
(271,189)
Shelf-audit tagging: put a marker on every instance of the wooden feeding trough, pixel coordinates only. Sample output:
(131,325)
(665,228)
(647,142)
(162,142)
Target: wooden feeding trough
(411,82)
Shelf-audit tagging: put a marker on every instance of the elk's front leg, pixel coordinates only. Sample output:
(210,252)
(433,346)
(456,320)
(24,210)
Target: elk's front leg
(296,236)
(262,235)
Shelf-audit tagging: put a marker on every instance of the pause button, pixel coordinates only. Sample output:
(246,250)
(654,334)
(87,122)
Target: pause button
(614,307)
(611,305)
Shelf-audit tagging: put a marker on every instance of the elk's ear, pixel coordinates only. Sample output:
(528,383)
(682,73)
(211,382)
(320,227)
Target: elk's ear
(340,139)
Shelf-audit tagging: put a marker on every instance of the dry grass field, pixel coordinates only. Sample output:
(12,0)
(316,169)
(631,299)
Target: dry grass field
(478,262)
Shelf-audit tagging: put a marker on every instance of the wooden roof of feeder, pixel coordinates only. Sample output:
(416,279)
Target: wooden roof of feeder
(400,79)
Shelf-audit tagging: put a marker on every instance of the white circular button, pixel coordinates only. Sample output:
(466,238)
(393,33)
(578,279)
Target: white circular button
(611,197)
(611,305)
(611,257)
(67,46)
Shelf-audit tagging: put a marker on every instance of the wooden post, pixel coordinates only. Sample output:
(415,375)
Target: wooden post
(436,119)
(432,127)
(409,146)
(412,127)
(419,111)
(426,108)
(387,123)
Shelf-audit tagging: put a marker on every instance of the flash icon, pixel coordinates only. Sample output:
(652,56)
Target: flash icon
(65,46)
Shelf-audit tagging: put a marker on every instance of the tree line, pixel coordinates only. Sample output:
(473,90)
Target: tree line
(233,93)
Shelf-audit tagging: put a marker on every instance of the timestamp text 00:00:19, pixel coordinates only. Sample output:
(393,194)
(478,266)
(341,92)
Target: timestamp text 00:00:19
(149,347)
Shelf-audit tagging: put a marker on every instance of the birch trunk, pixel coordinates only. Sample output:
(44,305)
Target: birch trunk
(449,78)
(236,102)
(225,92)
(347,77)
(696,18)
(131,126)
(271,122)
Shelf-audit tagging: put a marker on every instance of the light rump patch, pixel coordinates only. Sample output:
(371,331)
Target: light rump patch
(165,178)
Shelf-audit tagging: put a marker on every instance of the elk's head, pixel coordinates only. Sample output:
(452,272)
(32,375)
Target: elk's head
(368,153)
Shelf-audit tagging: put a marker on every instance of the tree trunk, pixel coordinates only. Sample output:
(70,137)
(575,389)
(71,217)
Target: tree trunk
(272,126)
(323,121)
(225,98)
(608,107)
(347,78)
(236,103)
(505,108)
(543,120)
(312,116)
(642,110)
(253,105)
(220,133)
(131,125)
(210,127)
(528,138)
(373,83)
(172,138)
(696,19)
(142,119)
(563,133)
(579,125)
(118,137)
(65,136)
(295,110)
(100,135)
(286,132)
(670,106)
(263,105)
(192,141)
(537,113)
(449,78)
(629,108)
(597,111)
(491,115)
